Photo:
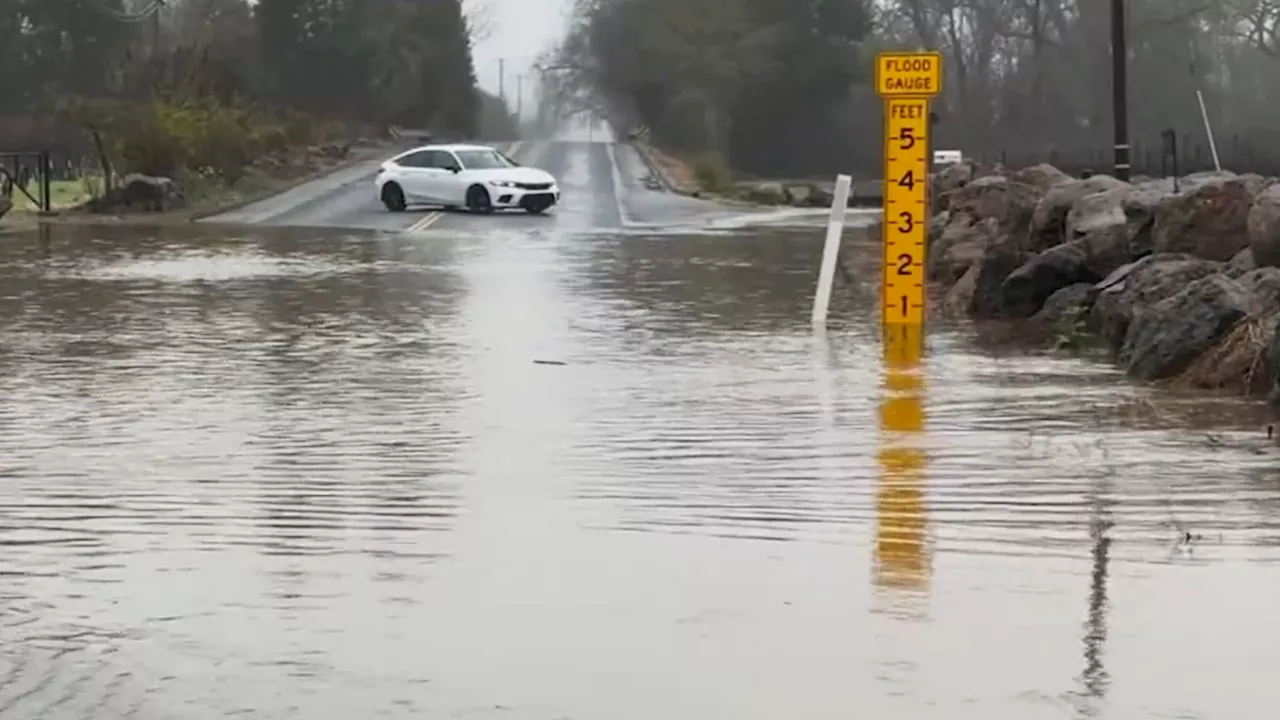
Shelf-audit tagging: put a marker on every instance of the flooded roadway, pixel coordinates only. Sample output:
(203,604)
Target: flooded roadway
(560,471)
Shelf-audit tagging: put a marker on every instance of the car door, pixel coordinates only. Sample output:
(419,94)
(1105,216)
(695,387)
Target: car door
(448,182)
(415,174)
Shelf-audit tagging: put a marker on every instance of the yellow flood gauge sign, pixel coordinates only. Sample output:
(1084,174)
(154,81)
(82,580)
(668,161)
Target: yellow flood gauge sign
(906,81)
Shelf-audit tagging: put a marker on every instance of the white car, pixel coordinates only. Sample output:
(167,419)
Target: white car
(476,177)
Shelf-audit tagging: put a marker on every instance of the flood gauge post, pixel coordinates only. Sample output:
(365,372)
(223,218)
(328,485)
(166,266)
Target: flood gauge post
(906,82)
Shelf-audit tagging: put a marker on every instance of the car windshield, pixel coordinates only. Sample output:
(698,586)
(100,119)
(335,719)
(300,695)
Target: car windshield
(483,159)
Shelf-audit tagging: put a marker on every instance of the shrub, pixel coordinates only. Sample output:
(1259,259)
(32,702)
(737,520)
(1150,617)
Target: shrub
(214,142)
(710,172)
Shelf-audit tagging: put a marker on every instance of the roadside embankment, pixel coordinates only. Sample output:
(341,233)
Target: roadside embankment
(165,162)
(162,201)
(1178,281)
(705,178)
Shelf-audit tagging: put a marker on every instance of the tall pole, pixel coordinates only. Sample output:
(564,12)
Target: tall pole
(502,80)
(155,29)
(519,96)
(1120,89)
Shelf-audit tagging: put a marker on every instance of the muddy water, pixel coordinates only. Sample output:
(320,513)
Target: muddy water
(539,475)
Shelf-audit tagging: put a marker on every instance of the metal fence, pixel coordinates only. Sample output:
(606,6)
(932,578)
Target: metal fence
(1182,153)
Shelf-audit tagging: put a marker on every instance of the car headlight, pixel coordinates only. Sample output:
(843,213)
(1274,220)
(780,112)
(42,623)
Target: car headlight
(501,183)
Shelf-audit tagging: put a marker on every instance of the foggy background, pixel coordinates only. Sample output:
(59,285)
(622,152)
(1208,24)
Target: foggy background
(519,31)
(771,87)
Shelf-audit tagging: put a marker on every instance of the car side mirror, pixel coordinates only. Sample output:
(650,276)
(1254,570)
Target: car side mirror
(454,169)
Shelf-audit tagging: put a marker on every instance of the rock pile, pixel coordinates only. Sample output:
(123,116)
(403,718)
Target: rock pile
(1180,284)
(140,193)
(807,194)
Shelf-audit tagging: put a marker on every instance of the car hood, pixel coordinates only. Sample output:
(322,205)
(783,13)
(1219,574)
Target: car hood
(518,174)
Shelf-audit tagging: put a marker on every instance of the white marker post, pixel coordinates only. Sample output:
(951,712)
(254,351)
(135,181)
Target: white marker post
(831,251)
(1208,130)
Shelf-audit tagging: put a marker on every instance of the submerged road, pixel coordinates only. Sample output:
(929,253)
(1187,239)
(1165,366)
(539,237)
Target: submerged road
(519,468)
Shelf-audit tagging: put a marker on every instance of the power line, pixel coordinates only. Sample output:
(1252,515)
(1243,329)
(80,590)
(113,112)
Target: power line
(136,17)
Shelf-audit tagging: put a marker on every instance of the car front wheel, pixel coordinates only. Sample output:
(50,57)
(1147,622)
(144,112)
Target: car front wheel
(478,200)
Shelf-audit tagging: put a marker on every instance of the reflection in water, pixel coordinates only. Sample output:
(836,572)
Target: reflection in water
(1095,679)
(901,554)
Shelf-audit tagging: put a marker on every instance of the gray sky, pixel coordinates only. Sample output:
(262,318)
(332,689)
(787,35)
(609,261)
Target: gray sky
(519,30)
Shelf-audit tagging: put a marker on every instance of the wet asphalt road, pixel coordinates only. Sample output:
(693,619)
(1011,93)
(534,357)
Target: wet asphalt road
(601,183)
(571,467)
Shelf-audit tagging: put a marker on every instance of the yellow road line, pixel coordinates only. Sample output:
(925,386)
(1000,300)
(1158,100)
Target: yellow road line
(426,221)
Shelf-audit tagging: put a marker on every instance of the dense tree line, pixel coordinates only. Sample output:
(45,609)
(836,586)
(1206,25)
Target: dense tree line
(404,62)
(761,83)
(782,86)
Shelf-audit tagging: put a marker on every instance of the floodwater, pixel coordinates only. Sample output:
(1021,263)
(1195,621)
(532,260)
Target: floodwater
(547,475)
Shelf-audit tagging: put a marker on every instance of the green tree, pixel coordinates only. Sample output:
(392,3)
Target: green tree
(219,66)
(726,76)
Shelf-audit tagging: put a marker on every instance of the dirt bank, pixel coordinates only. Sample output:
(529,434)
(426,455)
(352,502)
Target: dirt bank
(1178,281)
(271,175)
(670,173)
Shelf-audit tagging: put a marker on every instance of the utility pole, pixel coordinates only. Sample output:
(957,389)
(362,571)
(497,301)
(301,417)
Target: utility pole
(519,97)
(502,80)
(155,28)
(1120,89)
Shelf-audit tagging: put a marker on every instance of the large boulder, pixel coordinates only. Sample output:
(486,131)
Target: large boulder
(1263,285)
(1042,177)
(150,193)
(1066,307)
(993,269)
(1095,211)
(813,194)
(1164,339)
(1023,293)
(1239,361)
(1088,259)
(1241,263)
(1209,218)
(767,193)
(1263,226)
(1006,201)
(953,177)
(937,226)
(959,297)
(1139,284)
(1132,206)
(1048,220)
(962,242)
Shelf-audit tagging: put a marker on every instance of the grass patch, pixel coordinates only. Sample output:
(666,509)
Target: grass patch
(710,173)
(65,193)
